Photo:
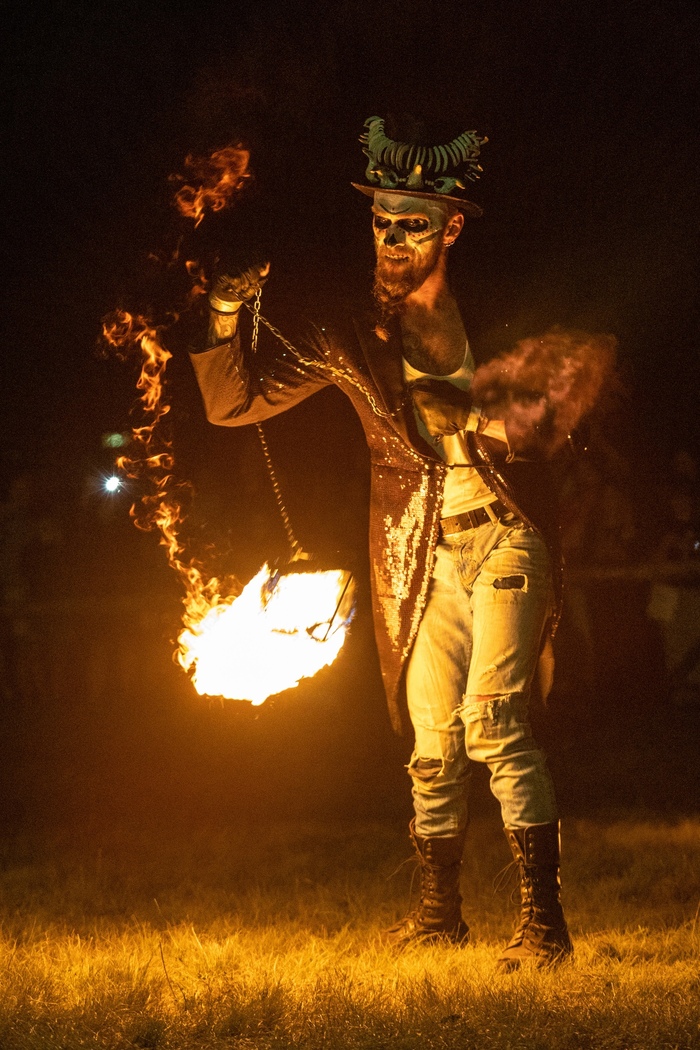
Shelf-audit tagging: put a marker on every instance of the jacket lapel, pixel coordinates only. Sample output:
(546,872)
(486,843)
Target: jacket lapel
(384,363)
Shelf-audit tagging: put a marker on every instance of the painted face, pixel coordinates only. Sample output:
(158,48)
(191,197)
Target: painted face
(409,222)
(408,240)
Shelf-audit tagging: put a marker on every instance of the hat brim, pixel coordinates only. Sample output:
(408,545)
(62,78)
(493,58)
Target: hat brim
(468,207)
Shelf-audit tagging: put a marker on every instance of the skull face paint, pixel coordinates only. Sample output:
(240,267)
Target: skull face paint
(408,240)
(407,221)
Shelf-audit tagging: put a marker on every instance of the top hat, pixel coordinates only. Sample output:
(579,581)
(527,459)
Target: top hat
(410,169)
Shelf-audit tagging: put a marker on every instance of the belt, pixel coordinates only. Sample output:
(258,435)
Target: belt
(471,519)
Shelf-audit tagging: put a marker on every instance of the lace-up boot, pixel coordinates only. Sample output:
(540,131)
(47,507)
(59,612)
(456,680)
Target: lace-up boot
(439,912)
(541,936)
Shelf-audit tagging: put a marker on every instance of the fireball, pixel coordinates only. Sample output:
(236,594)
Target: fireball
(280,629)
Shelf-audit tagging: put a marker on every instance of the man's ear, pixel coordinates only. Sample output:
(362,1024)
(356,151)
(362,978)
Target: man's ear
(454,227)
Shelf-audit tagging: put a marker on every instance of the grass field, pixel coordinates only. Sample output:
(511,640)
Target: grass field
(270,938)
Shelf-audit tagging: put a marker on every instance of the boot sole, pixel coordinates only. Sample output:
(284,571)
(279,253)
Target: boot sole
(534,961)
(419,940)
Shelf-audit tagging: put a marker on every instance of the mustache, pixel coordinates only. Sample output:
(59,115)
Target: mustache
(395,254)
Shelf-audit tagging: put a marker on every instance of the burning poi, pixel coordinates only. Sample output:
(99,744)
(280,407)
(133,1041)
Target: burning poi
(241,643)
(463,543)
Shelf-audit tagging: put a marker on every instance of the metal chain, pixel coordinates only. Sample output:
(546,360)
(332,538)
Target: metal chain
(256,319)
(293,541)
(338,373)
(291,538)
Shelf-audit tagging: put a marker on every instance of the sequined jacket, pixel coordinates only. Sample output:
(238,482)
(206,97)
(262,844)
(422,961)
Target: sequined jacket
(407,476)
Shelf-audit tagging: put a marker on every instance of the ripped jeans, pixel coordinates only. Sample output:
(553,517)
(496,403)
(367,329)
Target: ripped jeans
(479,637)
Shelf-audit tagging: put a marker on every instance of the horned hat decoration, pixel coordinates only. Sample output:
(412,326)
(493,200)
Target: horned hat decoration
(433,172)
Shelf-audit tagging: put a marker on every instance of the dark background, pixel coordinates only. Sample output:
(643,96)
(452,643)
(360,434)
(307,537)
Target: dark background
(591,216)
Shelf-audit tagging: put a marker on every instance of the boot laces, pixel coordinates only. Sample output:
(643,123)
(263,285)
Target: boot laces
(416,870)
(509,876)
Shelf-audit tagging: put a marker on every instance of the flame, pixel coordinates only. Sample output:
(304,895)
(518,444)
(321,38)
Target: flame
(242,643)
(279,630)
(199,279)
(219,177)
(123,331)
(162,508)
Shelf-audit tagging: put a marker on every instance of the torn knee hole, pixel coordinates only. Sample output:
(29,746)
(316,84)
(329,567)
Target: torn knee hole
(511,583)
(425,768)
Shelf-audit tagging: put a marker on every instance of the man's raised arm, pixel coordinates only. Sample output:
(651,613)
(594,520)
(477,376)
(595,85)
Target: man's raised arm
(237,386)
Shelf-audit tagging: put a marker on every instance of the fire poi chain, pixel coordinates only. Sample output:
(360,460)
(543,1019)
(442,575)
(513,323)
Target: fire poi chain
(281,627)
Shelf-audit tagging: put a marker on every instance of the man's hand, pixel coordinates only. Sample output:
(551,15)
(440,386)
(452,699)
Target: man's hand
(442,406)
(228,294)
(230,291)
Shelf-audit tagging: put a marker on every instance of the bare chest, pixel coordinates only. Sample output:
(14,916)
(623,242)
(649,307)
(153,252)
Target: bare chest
(434,343)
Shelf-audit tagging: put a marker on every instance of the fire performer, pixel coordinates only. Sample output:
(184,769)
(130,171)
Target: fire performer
(462,542)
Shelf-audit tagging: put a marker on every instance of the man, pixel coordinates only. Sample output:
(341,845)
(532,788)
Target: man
(462,571)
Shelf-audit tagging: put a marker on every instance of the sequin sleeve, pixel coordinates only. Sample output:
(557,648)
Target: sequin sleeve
(238,388)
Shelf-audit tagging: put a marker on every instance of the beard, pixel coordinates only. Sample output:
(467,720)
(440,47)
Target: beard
(395,280)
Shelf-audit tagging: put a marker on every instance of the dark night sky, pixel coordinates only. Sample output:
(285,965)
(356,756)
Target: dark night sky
(591,218)
(590,188)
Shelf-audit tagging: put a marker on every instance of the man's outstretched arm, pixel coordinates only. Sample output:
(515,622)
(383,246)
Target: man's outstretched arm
(237,386)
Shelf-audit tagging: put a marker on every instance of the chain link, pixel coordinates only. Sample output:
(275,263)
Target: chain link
(256,319)
(325,366)
(291,538)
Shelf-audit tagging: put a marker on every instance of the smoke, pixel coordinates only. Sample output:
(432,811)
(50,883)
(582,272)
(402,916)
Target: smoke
(545,386)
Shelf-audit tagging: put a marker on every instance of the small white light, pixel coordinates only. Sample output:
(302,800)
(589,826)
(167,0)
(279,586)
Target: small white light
(113,484)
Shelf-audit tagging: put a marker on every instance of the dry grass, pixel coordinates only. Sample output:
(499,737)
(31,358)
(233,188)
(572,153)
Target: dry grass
(245,939)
